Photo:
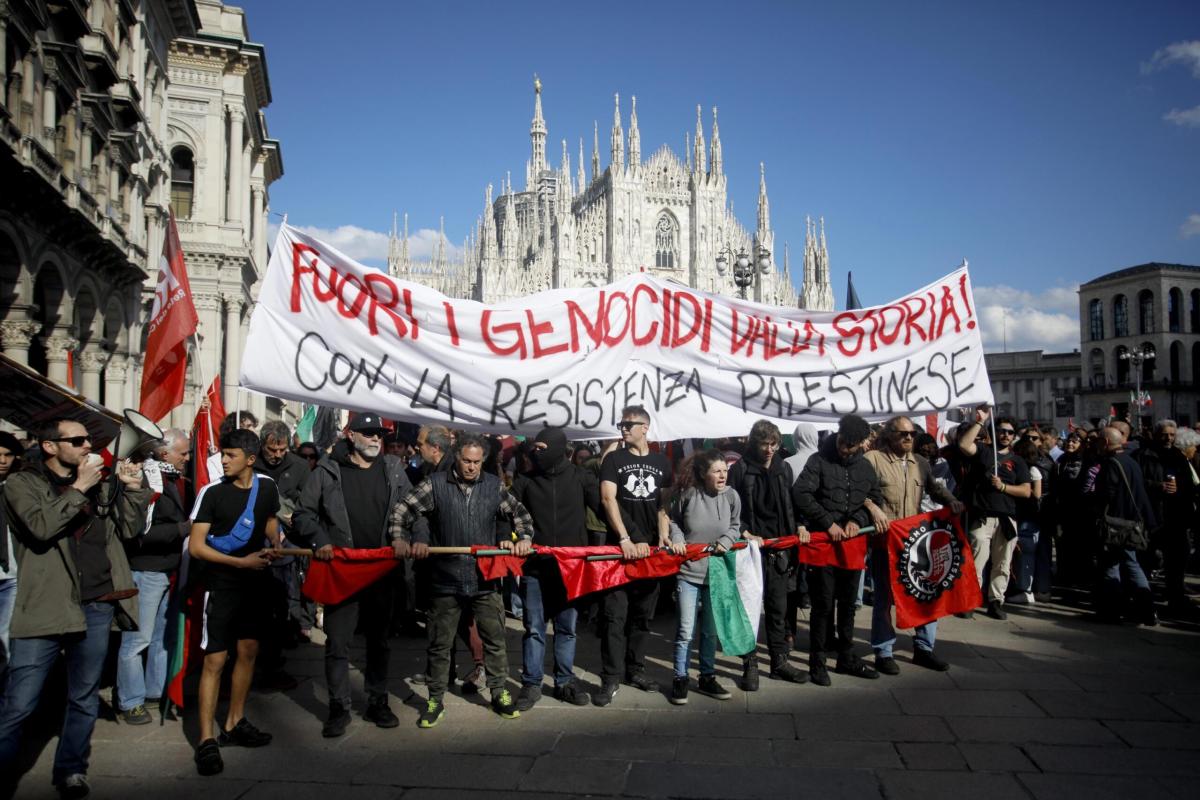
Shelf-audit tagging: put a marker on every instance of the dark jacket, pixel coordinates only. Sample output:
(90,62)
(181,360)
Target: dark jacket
(42,521)
(320,517)
(289,475)
(1156,464)
(745,477)
(160,548)
(830,491)
(1117,500)
(558,501)
(5,556)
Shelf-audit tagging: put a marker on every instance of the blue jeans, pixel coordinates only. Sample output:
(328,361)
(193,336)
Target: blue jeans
(133,682)
(8,601)
(883,634)
(692,595)
(31,662)
(533,644)
(1027,538)
(1117,564)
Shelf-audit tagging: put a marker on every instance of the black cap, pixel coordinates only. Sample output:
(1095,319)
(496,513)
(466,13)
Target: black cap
(367,422)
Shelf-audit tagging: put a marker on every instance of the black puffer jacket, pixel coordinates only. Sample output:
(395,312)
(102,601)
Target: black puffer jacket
(558,500)
(830,491)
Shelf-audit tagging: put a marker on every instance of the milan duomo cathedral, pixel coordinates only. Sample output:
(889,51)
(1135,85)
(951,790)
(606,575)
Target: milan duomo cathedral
(661,215)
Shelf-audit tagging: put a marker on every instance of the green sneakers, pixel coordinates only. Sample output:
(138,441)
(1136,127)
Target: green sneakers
(433,713)
(502,704)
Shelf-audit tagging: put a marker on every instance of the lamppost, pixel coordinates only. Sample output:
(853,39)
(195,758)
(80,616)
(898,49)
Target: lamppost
(1136,358)
(745,269)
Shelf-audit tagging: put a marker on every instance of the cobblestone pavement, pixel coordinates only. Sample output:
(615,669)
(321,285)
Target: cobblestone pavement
(1046,705)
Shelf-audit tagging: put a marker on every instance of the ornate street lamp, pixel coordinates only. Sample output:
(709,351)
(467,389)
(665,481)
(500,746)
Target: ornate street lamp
(745,269)
(1136,359)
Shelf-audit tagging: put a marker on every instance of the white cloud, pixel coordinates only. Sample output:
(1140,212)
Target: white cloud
(1190,227)
(362,244)
(1186,53)
(1047,320)
(1188,117)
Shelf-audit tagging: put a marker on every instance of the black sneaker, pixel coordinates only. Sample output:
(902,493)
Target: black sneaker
(433,713)
(708,685)
(572,695)
(244,734)
(208,758)
(996,610)
(528,696)
(379,713)
(679,691)
(819,675)
(138,715)
(926,658)
(887,665)
(783,671)
(502,704)
(638,680)
(336,724)
(749,681)
(857,667)
(74,785)
(607,692)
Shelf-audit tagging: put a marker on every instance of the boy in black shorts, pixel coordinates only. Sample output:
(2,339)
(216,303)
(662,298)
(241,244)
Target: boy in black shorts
(232,525)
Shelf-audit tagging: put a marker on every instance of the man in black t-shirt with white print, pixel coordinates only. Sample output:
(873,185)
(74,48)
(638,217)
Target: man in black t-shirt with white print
(632,484)
(237,590)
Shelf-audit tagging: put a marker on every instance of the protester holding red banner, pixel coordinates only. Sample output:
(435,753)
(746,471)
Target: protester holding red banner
(763,482)
(463,504)
(931,569)
(905,478)
(345,503)
(830,495)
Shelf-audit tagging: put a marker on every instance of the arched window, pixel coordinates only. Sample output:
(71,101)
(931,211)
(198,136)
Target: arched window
(1121,360)
(1096,319)
(1194,312)
(1175,311)
(1120,315)
(1148,364)
(666,242)
(183,177)
(1176,361)
(1096,368)
(1145,311)
(1030,410)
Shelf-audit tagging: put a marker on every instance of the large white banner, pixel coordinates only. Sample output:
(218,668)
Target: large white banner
(328,330)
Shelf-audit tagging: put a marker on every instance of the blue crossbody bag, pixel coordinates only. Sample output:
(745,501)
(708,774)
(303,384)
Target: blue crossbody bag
(242,530)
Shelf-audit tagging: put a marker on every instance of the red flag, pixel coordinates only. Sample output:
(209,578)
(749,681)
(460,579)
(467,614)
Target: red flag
(496,567)
(932,568)
(581,576)
(204,437)
(172,320)
(821,551)
(350,571)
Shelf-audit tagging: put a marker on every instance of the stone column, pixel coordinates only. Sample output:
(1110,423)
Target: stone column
(16,335)
(49,114)
(233,347)
(91,362)
(233,203)
(114,383)
(58,344)
(257,222)
(114,186)
(133,380)
(244,192)
(85,157)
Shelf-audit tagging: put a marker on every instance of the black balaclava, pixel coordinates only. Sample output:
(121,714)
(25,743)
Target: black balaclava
(555,451)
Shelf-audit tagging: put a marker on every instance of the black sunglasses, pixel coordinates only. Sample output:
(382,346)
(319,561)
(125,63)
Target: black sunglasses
(1008,431)
(74,441)
(628,424)
(905,434)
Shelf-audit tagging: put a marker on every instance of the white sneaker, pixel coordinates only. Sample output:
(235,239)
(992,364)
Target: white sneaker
(1020,599)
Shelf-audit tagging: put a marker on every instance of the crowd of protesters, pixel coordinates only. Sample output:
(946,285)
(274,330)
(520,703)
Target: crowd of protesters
(81,554)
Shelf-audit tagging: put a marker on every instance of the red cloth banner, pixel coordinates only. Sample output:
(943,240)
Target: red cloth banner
(494,568)
(821,551)
(204,441)
(350,571)
(172,320)
(932,568)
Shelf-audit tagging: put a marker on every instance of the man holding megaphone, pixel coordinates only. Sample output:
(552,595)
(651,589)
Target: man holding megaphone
(68,526)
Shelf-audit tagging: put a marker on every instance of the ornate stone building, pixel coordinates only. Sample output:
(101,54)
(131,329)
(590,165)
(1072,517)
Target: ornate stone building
(664,215)
(84,183)
(222,163)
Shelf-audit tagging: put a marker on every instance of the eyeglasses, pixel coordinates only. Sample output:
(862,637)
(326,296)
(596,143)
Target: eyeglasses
(375,433)
(905,434)
(626,424)
(74,441)
(1005,431)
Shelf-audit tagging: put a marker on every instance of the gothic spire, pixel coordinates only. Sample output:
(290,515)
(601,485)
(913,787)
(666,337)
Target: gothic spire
(404,244)
(687,150)
(717,159)
(618,137)
(764,206)
(595,149)
(566,169)
(439,259)
(580,178)
(537,131)
(699,163)
(635,138)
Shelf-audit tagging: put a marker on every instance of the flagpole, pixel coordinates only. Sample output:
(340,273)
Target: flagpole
(995,449)
(200,371)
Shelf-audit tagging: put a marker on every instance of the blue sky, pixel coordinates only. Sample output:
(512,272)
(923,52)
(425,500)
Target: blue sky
(1047,143)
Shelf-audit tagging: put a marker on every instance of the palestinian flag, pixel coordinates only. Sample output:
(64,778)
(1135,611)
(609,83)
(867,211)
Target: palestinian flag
(735,589)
